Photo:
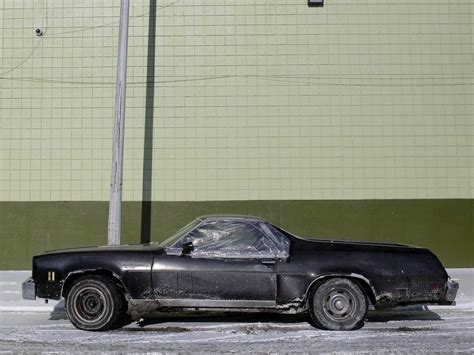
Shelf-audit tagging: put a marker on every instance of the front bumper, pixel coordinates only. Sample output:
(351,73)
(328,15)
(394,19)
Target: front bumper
(450,292)
(28,289)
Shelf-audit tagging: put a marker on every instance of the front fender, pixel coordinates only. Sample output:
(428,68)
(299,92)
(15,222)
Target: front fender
(55,273)
(74,275)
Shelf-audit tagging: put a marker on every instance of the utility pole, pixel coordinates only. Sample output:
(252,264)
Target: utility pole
(115,205)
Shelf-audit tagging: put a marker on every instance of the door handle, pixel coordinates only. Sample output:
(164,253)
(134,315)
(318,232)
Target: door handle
(268,261)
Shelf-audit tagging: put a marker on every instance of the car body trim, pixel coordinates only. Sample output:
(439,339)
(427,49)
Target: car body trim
(153,308)
(198,303)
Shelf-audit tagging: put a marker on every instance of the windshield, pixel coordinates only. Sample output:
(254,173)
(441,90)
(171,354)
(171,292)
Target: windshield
(171,240)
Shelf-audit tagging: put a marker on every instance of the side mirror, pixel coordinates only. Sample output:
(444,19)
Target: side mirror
(187,248)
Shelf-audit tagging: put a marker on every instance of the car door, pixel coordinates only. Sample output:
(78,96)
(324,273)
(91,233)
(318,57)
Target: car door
(233,264)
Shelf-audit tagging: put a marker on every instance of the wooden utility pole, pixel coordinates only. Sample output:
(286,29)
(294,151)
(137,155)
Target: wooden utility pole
(115,205)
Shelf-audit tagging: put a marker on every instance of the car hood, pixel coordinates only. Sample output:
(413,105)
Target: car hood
(108,248)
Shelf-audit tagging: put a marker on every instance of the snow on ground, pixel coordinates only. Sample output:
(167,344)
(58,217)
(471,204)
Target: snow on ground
(32,326)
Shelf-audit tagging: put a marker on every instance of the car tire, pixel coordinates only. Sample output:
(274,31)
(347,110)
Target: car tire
(95,303)
(338,304)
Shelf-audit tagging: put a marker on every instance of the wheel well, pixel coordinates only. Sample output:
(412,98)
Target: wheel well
(363,284)
(73,277)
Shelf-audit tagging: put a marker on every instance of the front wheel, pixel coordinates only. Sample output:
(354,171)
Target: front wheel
(95,303)
(338,304)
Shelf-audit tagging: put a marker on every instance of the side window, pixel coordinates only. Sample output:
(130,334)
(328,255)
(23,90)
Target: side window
(229,239)
(234,239)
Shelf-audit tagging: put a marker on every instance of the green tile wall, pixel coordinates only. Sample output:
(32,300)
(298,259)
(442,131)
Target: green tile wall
(444,226)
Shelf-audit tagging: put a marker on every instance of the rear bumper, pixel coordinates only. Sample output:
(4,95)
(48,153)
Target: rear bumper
(450,292)
(28,289)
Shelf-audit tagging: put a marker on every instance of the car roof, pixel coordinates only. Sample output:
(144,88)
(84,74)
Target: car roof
(214,217)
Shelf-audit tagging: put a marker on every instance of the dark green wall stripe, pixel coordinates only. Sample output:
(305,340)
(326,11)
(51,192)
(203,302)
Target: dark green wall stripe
(444,226)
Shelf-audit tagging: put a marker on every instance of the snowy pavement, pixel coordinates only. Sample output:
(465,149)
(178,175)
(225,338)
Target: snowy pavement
(32,326)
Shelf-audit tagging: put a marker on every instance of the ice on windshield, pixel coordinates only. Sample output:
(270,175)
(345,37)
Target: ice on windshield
(234,239)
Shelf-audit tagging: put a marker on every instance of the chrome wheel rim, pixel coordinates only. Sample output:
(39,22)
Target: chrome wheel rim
(339,305)
(90,304)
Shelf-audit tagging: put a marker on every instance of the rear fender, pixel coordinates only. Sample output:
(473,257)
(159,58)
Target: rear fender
(361,280)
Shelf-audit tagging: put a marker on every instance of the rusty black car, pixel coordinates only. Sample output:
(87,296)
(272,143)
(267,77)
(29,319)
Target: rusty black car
(238,263)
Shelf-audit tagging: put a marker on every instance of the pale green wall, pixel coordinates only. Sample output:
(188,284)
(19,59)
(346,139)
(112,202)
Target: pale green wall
(253,100)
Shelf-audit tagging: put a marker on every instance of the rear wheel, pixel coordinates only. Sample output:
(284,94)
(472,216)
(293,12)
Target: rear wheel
(338,304)
(95,303)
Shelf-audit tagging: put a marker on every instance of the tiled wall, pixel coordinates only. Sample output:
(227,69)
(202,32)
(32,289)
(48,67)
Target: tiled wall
(251,100)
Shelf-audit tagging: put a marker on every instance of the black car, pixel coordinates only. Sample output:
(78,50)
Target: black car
(238,263)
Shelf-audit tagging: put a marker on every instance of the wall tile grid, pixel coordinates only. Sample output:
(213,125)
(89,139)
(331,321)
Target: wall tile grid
(252,100)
